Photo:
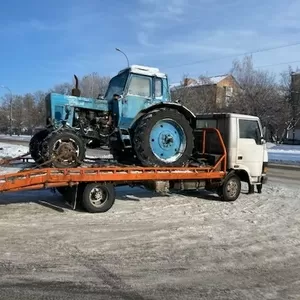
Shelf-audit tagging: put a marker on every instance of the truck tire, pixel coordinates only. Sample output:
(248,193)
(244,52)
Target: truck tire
(163,137)
(35,145)
(65,149)
(231,188)
(98,197)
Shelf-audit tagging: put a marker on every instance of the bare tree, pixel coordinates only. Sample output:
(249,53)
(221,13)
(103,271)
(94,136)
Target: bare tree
(30,112)
(5,113)
(18,114)
(63,88)
(260,95)
(40,109)
(93,84)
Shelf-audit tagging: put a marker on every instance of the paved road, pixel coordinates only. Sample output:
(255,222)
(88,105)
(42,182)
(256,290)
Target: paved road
(284,175)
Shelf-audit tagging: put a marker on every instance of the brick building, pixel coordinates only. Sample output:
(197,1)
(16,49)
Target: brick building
(219,91)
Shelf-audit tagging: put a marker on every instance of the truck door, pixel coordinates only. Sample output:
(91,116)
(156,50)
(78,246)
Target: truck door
(250,145)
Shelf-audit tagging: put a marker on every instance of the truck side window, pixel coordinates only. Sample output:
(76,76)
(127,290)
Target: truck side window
(158,87)
(249,129)
(140,86)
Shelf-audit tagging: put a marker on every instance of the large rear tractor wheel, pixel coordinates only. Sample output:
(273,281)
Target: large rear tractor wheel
(35,146)
(163,138)
(64,149)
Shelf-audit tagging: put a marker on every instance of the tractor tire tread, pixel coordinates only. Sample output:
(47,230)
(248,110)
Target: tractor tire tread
(52,137)
(141,143)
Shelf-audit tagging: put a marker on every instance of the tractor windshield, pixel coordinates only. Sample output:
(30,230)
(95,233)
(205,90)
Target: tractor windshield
(116,85)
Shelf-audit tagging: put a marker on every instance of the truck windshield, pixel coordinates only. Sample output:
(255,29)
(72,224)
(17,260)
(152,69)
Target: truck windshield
(116,85)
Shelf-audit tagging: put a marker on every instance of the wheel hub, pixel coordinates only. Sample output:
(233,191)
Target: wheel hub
(65,151)
(167,140)
(232,188)
(97,196)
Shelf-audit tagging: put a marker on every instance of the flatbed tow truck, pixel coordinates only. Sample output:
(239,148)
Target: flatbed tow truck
(93,183)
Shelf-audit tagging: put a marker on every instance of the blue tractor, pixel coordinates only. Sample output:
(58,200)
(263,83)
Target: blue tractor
(136,119)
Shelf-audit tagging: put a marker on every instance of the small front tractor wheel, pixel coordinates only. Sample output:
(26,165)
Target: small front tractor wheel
(35,145)
(231,188)
(163,137)
(98,197)
(64,149)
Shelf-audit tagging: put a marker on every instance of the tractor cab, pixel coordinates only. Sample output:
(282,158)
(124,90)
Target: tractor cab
(139,87)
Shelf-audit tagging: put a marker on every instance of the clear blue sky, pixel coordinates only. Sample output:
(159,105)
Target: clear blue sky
(46,42)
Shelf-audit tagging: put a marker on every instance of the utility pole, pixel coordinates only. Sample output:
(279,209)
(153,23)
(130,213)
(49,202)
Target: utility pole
(295,91)
(10,105)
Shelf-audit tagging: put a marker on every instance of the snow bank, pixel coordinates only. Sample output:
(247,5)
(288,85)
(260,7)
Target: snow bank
(16,137)
(7,150)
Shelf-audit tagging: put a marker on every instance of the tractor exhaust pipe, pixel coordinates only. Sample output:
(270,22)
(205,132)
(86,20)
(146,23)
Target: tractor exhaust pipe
(76,91)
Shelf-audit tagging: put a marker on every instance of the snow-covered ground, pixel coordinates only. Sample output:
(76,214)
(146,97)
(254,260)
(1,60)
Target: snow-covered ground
(9,150)
(187,246)
(148,246)
(16,137)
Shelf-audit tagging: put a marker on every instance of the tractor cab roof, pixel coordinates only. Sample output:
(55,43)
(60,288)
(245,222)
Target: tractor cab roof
(144,70)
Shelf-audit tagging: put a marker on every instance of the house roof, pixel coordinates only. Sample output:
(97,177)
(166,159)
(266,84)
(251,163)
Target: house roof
(200,81)
(217,79)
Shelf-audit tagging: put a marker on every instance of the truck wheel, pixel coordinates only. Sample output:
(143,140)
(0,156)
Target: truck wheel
(64,149)
(231,188)
(163,138)
(98,197)
(35,146)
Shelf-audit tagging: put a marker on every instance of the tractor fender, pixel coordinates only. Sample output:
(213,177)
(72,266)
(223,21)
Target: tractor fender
(179,107)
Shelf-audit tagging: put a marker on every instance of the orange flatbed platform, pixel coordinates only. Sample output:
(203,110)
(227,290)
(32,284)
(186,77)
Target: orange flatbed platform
(49,177)
(89,178)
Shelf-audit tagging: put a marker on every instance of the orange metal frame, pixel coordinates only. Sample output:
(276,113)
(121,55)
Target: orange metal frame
(52,177)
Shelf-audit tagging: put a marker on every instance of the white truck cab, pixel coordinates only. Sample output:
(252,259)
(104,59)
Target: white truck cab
(245,145)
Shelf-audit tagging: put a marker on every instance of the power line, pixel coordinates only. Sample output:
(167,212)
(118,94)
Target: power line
(235,55)
(278,64)
(261,66)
